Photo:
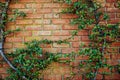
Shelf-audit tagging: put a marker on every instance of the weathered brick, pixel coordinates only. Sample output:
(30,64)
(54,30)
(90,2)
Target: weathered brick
(2,70)
(38,21)
(17,5)
(53,38)
(69,50)
(52,50)
(60,45)
(34,16)
(111,1)
(18,45)
(85,38)
(60,21)
(75,44)
(44,11)
(33,28)
(32,38)
(27,10)
(43,1)
(112,10)
(68,16)
(69,27)
(83,33)
(38,33)
(16,39)
(51,5)
(61,33)
(24,22)
(23,34)
(46,21)
(52,27)
(28,1)
(8,45)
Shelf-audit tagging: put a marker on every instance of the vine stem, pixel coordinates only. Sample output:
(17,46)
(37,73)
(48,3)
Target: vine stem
(3,38)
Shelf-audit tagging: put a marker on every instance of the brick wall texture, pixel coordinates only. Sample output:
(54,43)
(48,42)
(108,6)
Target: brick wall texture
(43,21)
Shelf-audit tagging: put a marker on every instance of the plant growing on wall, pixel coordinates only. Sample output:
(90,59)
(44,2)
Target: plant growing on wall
(4,7)
(101,36)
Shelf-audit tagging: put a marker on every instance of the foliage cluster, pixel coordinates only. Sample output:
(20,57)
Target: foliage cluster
(101,36)
(30,61)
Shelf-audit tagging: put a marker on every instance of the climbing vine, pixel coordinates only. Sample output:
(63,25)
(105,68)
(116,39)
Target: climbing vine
(101,36)
(28,63)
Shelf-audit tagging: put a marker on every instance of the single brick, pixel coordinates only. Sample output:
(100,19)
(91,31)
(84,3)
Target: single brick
(61,33)
(60,21)
(38,33)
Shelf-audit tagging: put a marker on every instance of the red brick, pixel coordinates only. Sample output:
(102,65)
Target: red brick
(82,57)
(44,11)
(75,44)
(46,46)
(83,32)
(112,15)
(57,10)
(112,50)
(68,16)
(74,39)
(42,1)
(111,1)
(60,45)
(118,15)
(85,38)
(104,70)
(27,10)
(23,34)
(24,22)
(69,27)
(52,27)
(60,21)
(32,38)
(51,5)
(69,50)
(2,70)
(46,21)
(33,28)
(109,5)
(33,5)
(48,15)
(52,50)
(33,16)
(38,21)
(53,38)
(38,33)
(61,33)
(7,45)
(17,5)
(112,10)
(78,77)
(112,62)
(116,76)
(18,45)
(16,39)
(99,77)
(6,65)
(4,75)
(28,1)
(116,44)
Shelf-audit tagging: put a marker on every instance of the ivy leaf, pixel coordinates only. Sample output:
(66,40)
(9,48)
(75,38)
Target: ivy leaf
(105,16)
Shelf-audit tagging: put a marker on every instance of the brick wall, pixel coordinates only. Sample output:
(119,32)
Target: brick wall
(43,21)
